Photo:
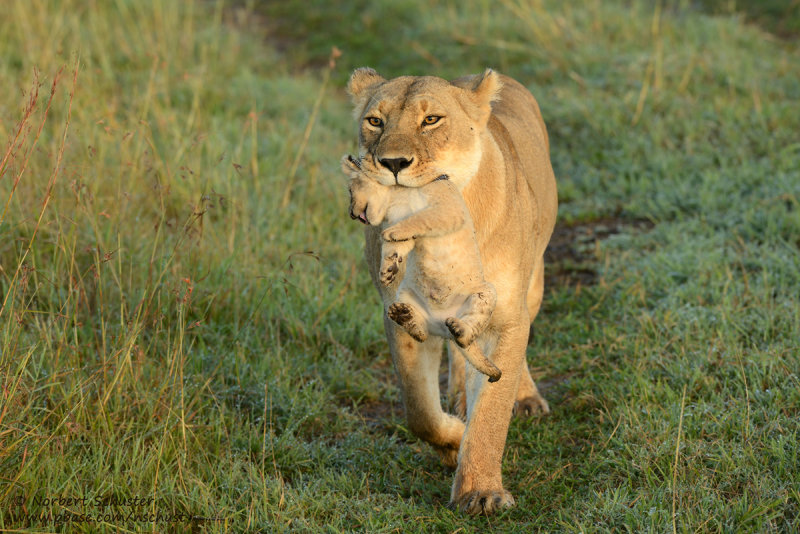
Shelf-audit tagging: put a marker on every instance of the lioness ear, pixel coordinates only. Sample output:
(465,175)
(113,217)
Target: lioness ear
(486,89)
(361,80)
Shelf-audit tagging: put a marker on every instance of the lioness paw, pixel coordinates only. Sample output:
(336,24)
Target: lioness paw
(483,502)
(530,406)
(448,456)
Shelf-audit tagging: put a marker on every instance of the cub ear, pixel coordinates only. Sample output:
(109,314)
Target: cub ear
(486,89)
(351,166)
(361,80)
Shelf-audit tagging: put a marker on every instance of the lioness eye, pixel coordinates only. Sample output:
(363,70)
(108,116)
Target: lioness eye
(431,119)
(375,121)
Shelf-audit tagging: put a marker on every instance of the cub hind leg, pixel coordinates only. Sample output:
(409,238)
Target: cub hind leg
(473,316)
(409,317)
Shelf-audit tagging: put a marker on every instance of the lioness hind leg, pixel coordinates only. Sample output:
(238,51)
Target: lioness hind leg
(529,401)
(475,315)
(407,316)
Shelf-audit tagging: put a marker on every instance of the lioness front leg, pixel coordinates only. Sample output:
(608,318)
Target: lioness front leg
(417,366)
(478,484)
(393,254)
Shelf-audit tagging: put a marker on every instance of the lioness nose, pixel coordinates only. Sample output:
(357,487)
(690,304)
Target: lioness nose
(396,164)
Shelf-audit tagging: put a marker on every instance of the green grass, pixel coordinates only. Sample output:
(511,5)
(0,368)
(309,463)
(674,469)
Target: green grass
(186,314)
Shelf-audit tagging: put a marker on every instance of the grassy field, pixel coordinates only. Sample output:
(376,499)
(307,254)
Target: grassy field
(187,326)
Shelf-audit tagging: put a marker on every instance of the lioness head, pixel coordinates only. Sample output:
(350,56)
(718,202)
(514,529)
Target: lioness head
(414,129)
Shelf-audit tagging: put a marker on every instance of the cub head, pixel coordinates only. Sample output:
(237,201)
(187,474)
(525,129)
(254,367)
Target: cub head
(369,199)
(414,129)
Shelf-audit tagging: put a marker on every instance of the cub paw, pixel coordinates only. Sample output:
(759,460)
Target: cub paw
(483,502)
(462,334)
(403,314)
(394,236)
(389,268)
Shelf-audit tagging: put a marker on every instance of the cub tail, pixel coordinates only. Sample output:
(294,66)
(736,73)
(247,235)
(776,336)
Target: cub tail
(478,359)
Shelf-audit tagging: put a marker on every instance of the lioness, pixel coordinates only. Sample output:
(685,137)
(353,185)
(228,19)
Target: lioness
(485,132)
(443,292)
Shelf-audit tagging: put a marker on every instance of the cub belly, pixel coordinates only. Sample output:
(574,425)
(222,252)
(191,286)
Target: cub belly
(432,314)
(436,288)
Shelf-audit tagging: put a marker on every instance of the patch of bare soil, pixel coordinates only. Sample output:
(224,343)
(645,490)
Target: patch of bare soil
(570,258)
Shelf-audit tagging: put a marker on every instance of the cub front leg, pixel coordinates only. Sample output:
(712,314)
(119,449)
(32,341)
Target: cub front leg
(437,220)
(393,254)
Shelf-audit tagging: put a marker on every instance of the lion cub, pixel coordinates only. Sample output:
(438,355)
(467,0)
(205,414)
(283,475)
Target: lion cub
(443,292)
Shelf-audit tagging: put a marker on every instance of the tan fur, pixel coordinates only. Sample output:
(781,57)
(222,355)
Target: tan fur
(491,140)
(428,228)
